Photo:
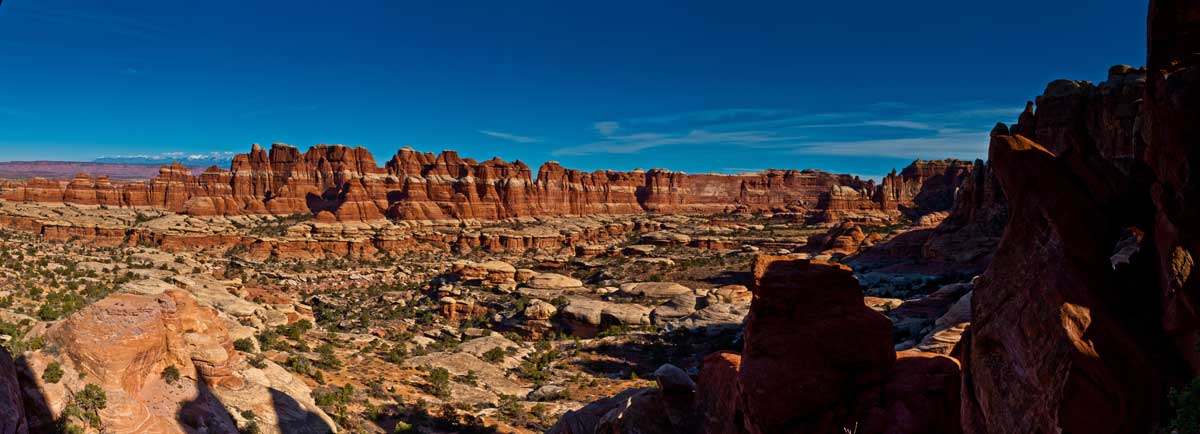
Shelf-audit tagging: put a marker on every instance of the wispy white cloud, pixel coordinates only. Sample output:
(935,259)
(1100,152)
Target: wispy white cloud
(966,146)
(880,130)
(509,137)
(633,143)
(912,125)
(890,105)
(606,128)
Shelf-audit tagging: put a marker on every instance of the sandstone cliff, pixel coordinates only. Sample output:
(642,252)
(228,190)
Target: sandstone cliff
(413,185)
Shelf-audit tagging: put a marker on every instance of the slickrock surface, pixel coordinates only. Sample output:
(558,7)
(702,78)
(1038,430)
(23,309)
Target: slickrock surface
(124,342)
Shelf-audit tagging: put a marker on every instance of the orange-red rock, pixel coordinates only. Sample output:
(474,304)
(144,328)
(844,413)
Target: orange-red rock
(1061,338)
(12,409)
(1171,107)
(814,354)
(423,186)
(844,239)
(920,396)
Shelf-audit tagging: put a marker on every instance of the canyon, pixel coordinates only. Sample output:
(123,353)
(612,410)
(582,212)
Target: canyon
(1045,290)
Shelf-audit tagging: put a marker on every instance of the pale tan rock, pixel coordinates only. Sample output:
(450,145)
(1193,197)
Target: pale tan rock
(554,281)
(654,289)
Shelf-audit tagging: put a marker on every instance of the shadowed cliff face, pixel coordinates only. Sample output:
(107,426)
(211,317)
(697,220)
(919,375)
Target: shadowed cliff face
(1172,108)
(1085,317)
(13,418)
(348,183)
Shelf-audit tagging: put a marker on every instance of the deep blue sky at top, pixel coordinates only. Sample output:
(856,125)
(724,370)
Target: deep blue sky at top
(699,86)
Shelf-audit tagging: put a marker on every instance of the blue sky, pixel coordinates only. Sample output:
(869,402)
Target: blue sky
(700,86)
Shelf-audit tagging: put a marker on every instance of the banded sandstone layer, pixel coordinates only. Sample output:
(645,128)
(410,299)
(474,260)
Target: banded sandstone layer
(347,183)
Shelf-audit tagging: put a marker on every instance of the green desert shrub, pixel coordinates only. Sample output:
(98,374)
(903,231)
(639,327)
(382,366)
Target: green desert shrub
(53,373)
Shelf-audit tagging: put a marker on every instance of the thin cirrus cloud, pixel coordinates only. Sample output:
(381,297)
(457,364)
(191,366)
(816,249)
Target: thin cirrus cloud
(880,130)
(509,137)
(963,146)
(633,143)
(606,128)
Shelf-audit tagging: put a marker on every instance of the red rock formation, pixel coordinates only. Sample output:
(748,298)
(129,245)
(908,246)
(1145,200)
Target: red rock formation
(920,396)
(924,186)
(809,331)
(1171,108)
(718,394)
(1087,355)
(424,186)
(12,411)
(970,232)
(844,239)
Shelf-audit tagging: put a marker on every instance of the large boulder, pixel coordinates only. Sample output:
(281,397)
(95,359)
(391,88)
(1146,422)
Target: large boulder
(920,396)
(554,281)
(666,409)
(842,239)
(675,308)
(814,353)
(662,290)
(586,317)
(487,272)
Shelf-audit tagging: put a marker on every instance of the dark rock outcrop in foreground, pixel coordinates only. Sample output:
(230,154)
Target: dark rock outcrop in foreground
(815,360)
(347,183)
(12,410)
(1085,317)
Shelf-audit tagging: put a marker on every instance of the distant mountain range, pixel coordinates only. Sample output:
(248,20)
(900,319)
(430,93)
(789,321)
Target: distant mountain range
(221,159)
(68,169)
